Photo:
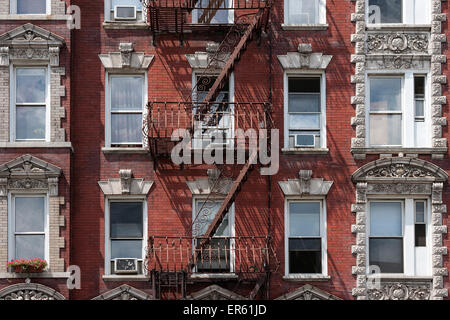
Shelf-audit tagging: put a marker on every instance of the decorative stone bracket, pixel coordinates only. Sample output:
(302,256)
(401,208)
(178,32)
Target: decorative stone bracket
(126,59)
(28,174)
(126,185)
(211,185)
(208,59)
(399,176)
(305,59)
(305,185)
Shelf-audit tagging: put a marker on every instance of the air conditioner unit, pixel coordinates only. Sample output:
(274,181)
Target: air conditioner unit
(125,13)
(305,140)
(126,265)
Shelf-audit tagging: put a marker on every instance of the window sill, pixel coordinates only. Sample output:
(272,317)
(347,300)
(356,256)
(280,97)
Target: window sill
(401,277)
(215,276)
(124,277)
(388,150)
(114,150)
(33,17)
(35,144)
(398,27)
(306,277)
(52,275)
(305,151)
(289,27)
(125,25)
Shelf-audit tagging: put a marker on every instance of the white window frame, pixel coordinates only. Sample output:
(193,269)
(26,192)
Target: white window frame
(108,200)
(408,14)
(323,235)
(11,222)
(407,109)
(232,232)
(13,8)
(323,101)
(12,88)
(109,14)
(322,14)
(411,256)
(195,15)
(108,113)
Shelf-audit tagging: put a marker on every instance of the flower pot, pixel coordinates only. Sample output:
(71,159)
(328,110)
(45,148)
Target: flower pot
(28,269)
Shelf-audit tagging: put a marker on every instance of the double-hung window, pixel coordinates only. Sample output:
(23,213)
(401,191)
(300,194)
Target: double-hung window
(398,111)
(398,237)
(126,232)
(398,11)
(28,227)
(30,97)
(298,12)
(305,238)
(305,112)
(29,6)
(217,255)
(126,105)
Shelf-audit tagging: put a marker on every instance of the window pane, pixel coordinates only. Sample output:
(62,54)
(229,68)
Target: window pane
(386,129)
(206,216)
(304,85)
(30,85)
(420,211)
(304,121)
(126,249)
(126,93)
(30,123)
(135,3)
(420,235)
(304,219)
(303,11)
(390,10)
(30,247)
(304,103)
(386,219)
(386,254)
(419,86)
(126,219)
(126,128)
(385,94)
(29,214)
(305,256)
(31,6)
(420,108)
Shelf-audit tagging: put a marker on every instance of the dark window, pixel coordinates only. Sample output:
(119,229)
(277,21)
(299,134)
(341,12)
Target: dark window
(390,11)
(387,253)
(305,255)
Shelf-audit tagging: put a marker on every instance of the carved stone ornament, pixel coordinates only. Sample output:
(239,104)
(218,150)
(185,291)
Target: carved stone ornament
(30,42)
(400,291)
(208,59)
(126,185)
(211,185)
(398,43)
(126,58)
(305,185)
(125,180)
(308,292)
(215,292)
(305,59)
(29,291)
(124,292)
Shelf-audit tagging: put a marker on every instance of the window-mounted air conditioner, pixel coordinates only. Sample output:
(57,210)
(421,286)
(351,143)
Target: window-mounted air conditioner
(126,265)
(305,140)
(125,13)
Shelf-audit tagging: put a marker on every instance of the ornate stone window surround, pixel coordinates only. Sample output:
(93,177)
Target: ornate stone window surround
(124,189)
(30,291)
(308,292)
(56,10)
(321,25)
(124,292)
(302,64)
(124,62)
(396,47)
(306,189)
(28,175)
(31,46)
(394,178)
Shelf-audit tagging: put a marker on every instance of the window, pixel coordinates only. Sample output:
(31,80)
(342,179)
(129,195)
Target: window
(217,129)
(213,12)
(216,256)
(398,236)
(126,232)
(30,100)
(305,12)
(124,10)
(126,98)
(305,238)
(28,227)
(29,6)
(399,11)
(305,112)
(398,114)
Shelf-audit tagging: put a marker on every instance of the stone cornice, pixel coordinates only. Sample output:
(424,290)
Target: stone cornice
(305,185)
(126,59)
(305,59)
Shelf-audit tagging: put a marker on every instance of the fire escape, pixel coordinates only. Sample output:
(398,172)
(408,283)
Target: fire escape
(172,260)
